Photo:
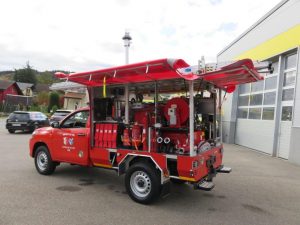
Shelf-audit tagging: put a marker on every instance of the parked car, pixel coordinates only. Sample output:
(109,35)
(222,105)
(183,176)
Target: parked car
(59,115)
(26,121)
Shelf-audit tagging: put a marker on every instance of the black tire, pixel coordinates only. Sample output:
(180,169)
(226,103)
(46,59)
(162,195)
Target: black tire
(142,182)
(11,131)
(177,181)
(43,161)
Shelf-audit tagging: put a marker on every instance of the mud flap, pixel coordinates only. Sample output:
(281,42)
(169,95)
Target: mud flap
(165,189)
(212,171)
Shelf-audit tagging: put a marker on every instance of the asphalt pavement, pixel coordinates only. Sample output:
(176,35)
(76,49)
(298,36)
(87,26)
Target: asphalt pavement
(260,190)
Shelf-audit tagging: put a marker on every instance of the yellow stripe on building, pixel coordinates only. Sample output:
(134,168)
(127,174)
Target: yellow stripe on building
(274,46)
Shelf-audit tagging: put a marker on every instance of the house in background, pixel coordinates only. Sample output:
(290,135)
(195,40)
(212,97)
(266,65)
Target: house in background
(26,88)
(8,88)
(74,100)
(12,97)
(41,88)
(75,96)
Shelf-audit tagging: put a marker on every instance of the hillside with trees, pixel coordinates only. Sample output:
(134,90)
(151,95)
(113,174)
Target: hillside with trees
(43,100)
(28,74)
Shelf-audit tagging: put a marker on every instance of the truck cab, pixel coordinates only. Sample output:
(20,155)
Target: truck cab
(156,122)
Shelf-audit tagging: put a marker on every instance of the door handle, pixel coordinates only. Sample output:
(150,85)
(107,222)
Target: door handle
(81,134)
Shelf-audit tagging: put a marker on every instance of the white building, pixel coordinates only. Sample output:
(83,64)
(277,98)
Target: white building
(265,116)
(76,95)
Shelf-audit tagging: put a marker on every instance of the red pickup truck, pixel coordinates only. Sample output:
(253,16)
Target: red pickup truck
(156,121)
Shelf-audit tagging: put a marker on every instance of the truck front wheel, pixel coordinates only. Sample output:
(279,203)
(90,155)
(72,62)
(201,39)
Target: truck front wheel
(43,162)
(142,183)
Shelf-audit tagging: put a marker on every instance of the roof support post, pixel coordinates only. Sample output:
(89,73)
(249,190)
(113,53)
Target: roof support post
(91,103)
(155,101)
(215,115)
(220,115)
(126,103)
(191,122)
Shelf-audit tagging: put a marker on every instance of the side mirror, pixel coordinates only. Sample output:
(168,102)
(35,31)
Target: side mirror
(55,124)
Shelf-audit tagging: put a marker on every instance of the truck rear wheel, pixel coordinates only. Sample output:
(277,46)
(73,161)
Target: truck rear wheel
(43,162)
(142,183)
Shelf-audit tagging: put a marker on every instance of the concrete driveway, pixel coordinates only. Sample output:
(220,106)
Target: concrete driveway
(260,190)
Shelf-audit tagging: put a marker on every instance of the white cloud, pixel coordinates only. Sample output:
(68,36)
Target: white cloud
(86,35)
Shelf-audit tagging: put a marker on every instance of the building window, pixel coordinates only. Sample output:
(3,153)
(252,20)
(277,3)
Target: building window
(288,87)
(255,113)
(268,113)
(244,100)
(243,113)
(270,98)
(257,86)
(257,100)
(271,83)
(286,114)
(289,78)
(288,94)
(244,88)
(290,61)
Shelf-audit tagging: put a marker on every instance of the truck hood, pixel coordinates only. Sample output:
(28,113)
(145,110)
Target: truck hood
(43,130)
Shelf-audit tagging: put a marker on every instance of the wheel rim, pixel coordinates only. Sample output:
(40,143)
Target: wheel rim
(140,184)
(42,161)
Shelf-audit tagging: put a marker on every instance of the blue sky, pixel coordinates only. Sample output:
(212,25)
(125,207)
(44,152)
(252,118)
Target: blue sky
(86,35)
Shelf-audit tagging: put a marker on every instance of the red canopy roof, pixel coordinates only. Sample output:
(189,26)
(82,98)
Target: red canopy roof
(226,78)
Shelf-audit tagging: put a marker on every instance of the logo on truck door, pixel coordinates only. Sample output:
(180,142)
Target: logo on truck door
(68,141)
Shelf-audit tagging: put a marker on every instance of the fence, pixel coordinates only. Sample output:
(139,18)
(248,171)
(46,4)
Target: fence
(16,102)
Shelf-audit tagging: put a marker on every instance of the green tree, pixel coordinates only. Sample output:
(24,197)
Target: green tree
(42,98)
(46,77)
(26,75)
(53,100)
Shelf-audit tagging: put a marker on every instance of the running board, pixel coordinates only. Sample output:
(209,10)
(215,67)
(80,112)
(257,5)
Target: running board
(224,169)
(204,185)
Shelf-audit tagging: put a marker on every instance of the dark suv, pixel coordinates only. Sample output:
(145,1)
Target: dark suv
(26,121)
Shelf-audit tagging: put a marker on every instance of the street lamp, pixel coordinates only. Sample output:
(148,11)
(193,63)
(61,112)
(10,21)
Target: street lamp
(127,41)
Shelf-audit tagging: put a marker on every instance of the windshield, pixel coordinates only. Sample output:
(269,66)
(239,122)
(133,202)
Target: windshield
(37,116)
(19,116)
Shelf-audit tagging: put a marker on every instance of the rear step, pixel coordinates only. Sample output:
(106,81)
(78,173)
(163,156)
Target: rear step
(224,169)
(204,185)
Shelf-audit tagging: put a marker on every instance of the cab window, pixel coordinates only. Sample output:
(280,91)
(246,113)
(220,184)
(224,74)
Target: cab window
(77,120)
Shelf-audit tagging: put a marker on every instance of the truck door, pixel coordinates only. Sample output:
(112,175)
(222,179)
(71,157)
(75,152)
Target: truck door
(72,138)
